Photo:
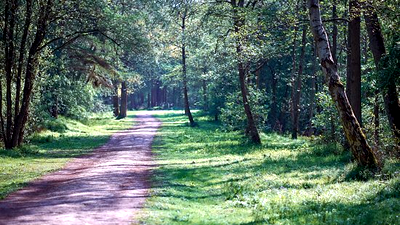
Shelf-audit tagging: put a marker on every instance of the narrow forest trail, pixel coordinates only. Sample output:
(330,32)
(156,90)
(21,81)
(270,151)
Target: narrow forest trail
(108,186)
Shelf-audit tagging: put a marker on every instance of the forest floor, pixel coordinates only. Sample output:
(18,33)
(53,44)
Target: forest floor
(107,186)
(190,175)
(206,175)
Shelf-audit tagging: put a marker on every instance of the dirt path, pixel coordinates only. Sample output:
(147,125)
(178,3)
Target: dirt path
(108,186)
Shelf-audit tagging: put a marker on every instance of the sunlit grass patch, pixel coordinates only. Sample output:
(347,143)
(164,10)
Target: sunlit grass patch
(207,176)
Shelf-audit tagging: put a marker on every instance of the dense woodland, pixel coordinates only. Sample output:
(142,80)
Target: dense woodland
(323,69)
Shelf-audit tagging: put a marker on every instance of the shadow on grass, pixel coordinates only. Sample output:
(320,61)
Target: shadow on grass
(57,147)
(204,169)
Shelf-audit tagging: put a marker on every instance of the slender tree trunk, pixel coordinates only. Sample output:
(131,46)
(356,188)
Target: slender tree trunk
(363,153)
(22,56)
(334,32)
(312,94)
(293,79)
(124,100)
(184,74)
(115,99)
(11,7)
(272,115)
(149,99)
(353,84)
(376,120)
(334,55)
(205,106)
(30,73)
(251,129)
(297,93)
(377,46)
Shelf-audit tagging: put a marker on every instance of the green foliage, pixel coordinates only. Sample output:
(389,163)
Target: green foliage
(326,120)
(232,114)
(390,66)
(217,179)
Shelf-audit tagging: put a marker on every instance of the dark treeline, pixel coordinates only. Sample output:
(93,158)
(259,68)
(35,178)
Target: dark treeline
(312,68)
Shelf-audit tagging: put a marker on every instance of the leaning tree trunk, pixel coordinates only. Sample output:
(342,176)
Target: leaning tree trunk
(185,91)
(362,152)
(251,129)
(377,46)
(353,84)
(124,100)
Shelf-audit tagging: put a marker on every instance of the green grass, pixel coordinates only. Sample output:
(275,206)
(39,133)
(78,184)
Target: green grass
(49,151)
(207,176)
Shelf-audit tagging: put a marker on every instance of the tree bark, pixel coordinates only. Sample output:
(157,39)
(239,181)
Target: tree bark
(312,94)
(11,8)
(297,90)
(205,106)
(30,73)
(272,115)
(377,46)
(362,152)
(376,120)
(293,79)
(115,99)
(184,74)
(251,129)
(353,84)
(22,55)
(124,100)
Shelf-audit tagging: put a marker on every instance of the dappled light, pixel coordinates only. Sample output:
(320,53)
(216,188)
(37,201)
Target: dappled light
(197,112)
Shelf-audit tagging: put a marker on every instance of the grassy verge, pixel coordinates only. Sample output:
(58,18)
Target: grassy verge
(49,150)
(206,176)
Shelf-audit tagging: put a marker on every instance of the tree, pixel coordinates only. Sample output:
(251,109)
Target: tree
(353,84)
(183,16)
(362,152)
(389,90)
(296,84)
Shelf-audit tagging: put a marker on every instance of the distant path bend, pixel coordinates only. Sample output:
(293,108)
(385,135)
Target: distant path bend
(108,186)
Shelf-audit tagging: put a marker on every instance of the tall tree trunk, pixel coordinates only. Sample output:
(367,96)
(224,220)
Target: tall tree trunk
(362,152)
(376,120)
(30,73)
(377,46)
(115,99)
(297,90)
(124,100)
(22,55)
(184,74)
(334,31)
(149,99)
(313,91)
(11,9)
(251,129)
(293,78)
(353,84)
(334,55)
(205,106)
(272,115)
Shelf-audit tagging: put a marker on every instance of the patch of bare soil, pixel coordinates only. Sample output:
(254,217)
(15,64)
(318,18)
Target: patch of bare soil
(108,186)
